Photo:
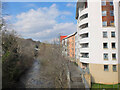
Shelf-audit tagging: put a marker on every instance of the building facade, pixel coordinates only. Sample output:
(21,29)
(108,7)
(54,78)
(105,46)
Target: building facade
(98,28)
(69,46)
(61,38)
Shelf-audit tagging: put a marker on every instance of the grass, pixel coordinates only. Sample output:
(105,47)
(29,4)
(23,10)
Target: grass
(95,85)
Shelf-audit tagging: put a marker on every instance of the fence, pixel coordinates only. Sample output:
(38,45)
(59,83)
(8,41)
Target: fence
(86,77)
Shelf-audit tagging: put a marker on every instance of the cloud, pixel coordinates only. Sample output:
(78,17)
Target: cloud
(7,18)
(70,5)
(41,24)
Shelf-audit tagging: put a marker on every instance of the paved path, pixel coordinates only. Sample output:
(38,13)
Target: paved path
(75,77)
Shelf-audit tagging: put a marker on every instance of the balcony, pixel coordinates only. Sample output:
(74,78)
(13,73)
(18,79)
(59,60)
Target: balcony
(84,45)
(84,16)
(83,26)
(84,55)
(80,7)
(85,35)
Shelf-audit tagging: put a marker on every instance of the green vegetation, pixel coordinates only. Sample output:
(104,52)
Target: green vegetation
(17,57)
(75,63)
(95,85)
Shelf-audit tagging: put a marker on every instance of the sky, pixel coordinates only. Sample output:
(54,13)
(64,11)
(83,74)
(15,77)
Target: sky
(41,21)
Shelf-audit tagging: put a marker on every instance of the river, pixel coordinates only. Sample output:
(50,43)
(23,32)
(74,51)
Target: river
(34,78)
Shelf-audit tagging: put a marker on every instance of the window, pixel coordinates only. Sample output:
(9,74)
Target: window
(103,3)
(113,56)
(111,3)
(84,16)
(111,23)
(112,34)
(104,23)
(84,45)
(104,13)
(113,45)
(114,68)
(105,56)
(104,34)
(105,45)
(106,68)
(111,13)
(85,55)
(84,26)
(85,35)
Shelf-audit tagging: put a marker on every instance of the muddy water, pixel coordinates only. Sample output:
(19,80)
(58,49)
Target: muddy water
(34,78)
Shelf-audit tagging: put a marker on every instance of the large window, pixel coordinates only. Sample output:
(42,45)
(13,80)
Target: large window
(104,34)
(103,3)
(114,56)
(113,34)
(114,68)
(106,68)
(104,23)
(104,13)
(105,56)
(111,13)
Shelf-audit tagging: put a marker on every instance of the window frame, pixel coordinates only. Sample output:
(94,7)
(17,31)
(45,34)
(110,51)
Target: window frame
(115,56)
(105,47)
(105,56)
(105,36)
(115,68)
(112,23)
(104,13)
(113,36)
(104,23)
(106,67)
(112,45)
(111,13)
(111,4)
(103,3)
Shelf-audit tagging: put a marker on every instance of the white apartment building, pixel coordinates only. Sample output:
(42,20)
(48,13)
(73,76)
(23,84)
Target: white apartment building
(98,33)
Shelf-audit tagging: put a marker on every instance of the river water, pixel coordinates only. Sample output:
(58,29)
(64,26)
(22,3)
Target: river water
(34,78)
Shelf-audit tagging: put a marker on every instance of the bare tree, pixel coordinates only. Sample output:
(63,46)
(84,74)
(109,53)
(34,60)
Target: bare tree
(55,65)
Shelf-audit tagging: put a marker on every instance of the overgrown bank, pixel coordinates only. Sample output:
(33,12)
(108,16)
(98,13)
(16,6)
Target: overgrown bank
(17,57)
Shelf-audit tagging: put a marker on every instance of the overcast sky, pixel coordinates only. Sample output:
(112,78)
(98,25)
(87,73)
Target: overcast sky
(43,21)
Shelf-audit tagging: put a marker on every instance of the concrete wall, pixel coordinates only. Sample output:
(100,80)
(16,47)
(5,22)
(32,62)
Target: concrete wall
(100,76)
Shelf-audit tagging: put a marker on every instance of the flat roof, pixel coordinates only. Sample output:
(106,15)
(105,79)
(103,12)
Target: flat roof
(70,35)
